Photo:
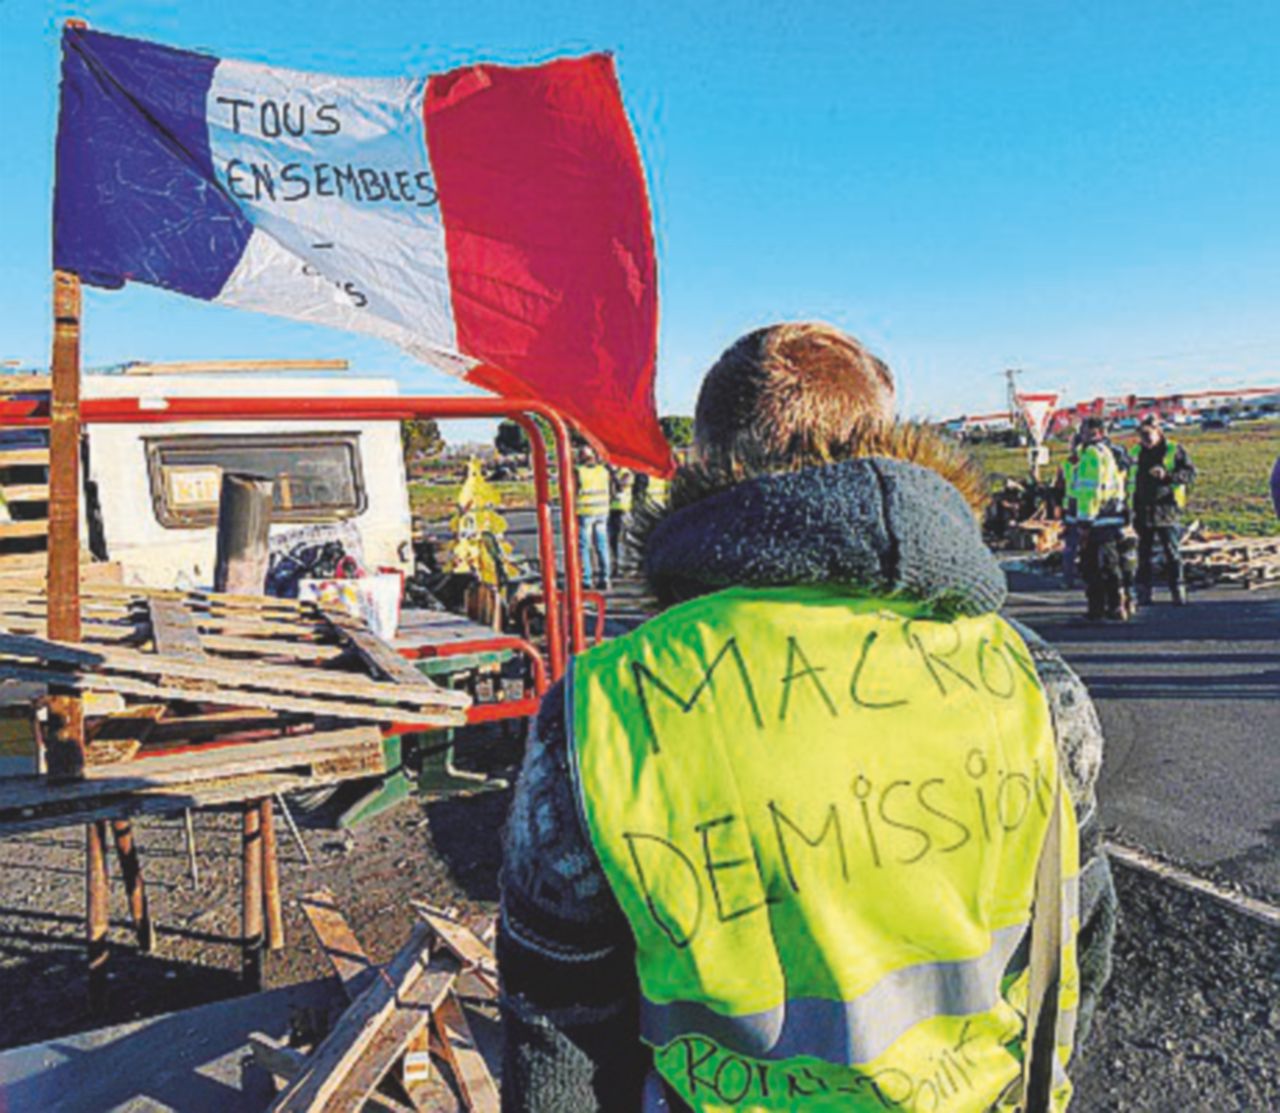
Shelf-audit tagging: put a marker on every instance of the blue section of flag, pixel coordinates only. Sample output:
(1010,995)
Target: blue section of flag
(136,199)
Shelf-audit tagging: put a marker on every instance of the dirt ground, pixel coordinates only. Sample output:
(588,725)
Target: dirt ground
(1191,1020)
(446,853)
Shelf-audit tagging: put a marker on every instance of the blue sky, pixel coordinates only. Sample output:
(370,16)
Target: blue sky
(1088,191)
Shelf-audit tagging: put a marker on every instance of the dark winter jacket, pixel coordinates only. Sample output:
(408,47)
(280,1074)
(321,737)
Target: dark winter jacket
(1153,500)
(878,526)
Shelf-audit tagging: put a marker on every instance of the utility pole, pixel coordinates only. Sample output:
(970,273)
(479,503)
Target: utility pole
(1011,378)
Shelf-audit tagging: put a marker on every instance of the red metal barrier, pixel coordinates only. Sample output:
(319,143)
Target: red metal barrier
(34,412)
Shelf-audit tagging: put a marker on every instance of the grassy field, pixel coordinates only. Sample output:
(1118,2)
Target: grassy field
(437,500)
(1234,466)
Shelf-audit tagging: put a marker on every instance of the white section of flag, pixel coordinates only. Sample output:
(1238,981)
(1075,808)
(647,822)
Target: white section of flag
(269,277)
(1037,409)
(335,176)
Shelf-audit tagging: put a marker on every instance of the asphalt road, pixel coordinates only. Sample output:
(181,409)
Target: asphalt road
(1189,699)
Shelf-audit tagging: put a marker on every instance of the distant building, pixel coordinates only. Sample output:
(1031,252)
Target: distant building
(1120,407)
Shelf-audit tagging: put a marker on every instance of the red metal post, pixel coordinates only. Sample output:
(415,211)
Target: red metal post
(126,411)
(546,543)
(569,532)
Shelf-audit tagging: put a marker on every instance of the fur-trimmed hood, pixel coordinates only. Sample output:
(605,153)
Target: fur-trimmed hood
(876,525)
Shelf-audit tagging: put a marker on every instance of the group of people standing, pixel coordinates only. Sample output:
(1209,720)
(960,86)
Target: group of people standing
(1118,506)
(604,502)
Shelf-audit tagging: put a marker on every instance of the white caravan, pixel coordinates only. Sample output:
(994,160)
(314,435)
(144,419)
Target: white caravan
(151,496)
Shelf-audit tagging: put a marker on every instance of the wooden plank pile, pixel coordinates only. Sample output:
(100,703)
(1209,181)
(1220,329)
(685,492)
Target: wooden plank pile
(1037,534)
(404,1024)
(240,651)
(24,482)
(201,699)
(1220,558)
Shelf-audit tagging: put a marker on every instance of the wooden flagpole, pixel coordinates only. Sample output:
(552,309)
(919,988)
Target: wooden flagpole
(65,736)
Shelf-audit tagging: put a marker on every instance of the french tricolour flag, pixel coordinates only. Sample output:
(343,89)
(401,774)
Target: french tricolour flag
(492,220)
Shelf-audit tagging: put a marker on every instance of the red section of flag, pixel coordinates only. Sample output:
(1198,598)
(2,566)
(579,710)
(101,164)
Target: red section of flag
(550,243)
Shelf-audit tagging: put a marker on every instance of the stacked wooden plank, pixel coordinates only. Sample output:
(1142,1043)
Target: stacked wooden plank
(1220,558)
(240,651)
(24,482)
(1038,534)
(405,1020)
(195,699)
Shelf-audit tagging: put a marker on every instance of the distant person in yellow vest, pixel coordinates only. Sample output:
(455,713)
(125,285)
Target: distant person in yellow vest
(789,844)
(621,488)
(593,518)
(657,492)
(1159,477)
(1098,488)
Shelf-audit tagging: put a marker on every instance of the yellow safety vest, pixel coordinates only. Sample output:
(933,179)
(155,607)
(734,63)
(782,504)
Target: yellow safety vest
(1098,486)
(822,817)
(1069,489)
(621,498)
(1168,463)
(593,490)
(658,490)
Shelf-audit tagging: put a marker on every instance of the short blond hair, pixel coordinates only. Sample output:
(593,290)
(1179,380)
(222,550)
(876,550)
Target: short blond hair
(790,390)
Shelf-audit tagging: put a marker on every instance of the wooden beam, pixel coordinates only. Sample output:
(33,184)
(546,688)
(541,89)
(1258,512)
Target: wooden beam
(39,813)
(96,912)
(135,887)
(458,1045)
(216,762)
(23,456)
(376,654)
(65,734)
(31,527)
(369,1037)
(285,679)
(210,366)
(25,384)
(273,701)
(251,895)
(174,630)
(341,947)
(476,958)
(25,492)
(271,879)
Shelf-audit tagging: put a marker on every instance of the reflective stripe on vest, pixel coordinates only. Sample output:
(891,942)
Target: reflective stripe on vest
(1099,486)
(1169,462)
(822,816)
(657,491)
(1068,490)
(621,499)
(593,490)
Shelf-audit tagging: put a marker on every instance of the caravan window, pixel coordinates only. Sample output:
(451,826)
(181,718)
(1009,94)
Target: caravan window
(317,475)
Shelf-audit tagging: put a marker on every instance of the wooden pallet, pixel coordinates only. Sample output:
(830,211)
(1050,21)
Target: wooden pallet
(1218,558)
(379,1053)
(24,479)
(275,655)
(202,778)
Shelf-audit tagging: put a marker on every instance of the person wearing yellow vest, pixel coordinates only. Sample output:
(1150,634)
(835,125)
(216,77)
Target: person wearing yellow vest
(621,485)
(657,492)
(1098,489)
(1158,480)
(592,505)
(790,844)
